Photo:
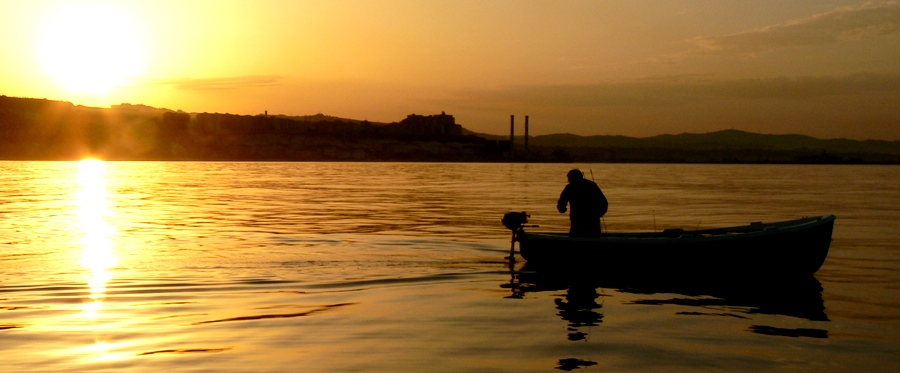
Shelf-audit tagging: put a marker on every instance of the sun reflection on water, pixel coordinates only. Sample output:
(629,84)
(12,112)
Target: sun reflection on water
(99,252)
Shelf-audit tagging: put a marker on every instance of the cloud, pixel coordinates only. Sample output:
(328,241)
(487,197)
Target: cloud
(869,21)
(228,83)
(801,88)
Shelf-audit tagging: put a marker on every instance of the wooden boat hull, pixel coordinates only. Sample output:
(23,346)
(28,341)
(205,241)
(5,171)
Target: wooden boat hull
(796,248)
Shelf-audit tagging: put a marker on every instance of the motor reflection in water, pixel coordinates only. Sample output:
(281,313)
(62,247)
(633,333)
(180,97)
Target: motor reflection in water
(93,211)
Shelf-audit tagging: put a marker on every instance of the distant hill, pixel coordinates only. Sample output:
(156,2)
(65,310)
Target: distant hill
(40,129)
(321,118)
(719,140)
(139,110)
(46,129)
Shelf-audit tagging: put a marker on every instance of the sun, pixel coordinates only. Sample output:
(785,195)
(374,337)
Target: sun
(90,48)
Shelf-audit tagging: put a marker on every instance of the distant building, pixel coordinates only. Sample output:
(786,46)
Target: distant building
(441,125)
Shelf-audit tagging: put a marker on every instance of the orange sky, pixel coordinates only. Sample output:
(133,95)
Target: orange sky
(824,68)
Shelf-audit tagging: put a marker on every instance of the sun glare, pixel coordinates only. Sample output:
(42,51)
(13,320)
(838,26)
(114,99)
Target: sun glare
(90,49)
(99,254)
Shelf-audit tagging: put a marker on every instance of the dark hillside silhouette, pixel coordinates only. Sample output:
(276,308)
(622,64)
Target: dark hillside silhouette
(40,129)
(727,146)
(50,130)
(726,139)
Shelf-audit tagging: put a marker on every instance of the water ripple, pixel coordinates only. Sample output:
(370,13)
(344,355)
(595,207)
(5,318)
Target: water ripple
(275,316)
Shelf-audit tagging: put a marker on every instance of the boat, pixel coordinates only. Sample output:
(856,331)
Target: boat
(786,248)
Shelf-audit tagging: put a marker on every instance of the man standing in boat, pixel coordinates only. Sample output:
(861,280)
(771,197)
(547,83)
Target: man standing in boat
(587,202)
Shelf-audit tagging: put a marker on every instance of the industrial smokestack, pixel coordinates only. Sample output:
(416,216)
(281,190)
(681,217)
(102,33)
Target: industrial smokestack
(512,134)
(526,137)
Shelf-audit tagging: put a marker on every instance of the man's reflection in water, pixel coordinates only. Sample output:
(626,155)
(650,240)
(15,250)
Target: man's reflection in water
(578,309)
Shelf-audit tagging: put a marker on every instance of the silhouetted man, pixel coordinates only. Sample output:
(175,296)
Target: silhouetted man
(587,202)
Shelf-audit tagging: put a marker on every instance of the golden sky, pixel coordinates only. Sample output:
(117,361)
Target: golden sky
(824,68)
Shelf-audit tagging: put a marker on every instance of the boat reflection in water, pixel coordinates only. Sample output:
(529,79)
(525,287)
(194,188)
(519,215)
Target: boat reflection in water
(93,211)
(741,298)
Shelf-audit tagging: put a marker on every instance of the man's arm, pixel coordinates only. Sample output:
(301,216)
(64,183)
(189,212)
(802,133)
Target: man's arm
(563,200)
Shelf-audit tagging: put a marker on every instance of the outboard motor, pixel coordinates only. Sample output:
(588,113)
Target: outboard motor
(514,220)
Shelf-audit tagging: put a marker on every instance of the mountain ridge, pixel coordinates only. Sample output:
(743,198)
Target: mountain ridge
(39,128)
(569,139)
(716,140)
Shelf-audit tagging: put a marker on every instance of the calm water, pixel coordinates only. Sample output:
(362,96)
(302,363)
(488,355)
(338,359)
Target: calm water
(399,267)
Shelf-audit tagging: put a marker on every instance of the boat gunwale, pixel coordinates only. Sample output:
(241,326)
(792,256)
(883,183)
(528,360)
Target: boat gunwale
(686,236)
